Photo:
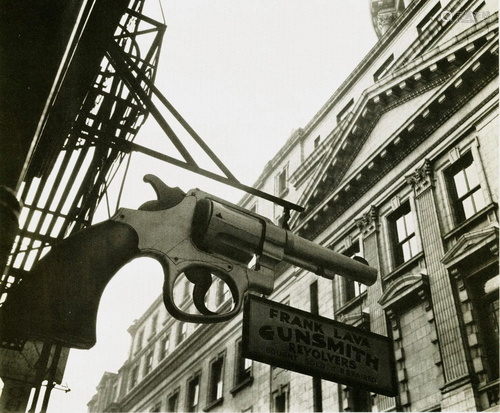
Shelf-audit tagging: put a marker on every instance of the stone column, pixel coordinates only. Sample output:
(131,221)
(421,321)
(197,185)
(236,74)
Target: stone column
(368,225)
(453,353)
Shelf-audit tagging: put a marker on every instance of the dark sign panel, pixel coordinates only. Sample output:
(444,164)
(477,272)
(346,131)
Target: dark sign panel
(295,340)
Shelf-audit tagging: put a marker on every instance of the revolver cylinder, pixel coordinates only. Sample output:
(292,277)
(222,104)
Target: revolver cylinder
(220,229)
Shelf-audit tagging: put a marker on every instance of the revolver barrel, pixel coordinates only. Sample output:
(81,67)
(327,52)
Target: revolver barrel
(233,232)
(325,262)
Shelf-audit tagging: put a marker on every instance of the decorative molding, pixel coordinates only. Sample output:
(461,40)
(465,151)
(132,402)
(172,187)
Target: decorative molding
(415,284)
(385,20)
(422,178)
(454,155)
(360,320)
(470,243)
(441,112)
(384,14)
(369,221)
(396,202)
(315,230)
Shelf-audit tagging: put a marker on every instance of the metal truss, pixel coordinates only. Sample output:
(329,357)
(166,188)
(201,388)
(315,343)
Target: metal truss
(64,197)
(61,196)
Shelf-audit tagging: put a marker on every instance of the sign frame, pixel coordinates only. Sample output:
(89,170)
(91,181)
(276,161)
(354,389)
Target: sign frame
(328,365)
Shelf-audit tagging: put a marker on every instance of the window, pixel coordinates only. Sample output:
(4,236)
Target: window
(222,292)
(484,287)
(480,12)
(140,339)
(148,365)
(154,324)
(352,288)
(317,141)
(173,401)
(465,190)
(382,70)
(165,346)
(403,233)
(193,394)
(134,376)
(243,366)
(313,296)
(281,400)
(216,379)
(181,332)
(281,182)
(186,294)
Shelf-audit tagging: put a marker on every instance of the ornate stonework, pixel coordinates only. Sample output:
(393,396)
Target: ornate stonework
(384,14)
(385,20)
(422,178)
(369,221)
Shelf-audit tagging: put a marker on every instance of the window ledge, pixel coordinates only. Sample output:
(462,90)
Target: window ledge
(214,404)
(353,302)
(403,268)
(472,221)
(240,386)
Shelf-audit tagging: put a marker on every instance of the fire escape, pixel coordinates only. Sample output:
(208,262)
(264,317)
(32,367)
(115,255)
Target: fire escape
(83,142)
(70,171)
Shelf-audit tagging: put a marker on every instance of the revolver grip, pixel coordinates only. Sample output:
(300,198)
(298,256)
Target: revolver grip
(59,298)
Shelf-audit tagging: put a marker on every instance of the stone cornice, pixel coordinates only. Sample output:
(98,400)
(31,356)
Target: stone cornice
(476,73)
(355,75)
(429,70)
(359,71)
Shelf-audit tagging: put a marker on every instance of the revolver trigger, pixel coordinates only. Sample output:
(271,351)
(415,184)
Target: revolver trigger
(202,280)
(167,196)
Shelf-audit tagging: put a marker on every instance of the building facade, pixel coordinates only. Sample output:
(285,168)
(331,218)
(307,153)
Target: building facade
(400,166)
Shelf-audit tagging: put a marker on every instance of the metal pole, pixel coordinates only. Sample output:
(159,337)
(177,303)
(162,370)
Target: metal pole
(51,377)
(41,367)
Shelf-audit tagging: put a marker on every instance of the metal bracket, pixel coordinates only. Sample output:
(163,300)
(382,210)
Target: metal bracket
(126,67)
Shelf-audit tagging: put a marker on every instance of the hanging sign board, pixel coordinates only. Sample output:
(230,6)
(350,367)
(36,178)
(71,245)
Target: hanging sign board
(295,340)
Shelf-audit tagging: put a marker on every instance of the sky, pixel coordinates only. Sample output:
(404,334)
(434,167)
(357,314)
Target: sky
(245,74)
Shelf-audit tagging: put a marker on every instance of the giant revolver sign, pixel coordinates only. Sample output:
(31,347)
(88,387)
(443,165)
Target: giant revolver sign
(295,340)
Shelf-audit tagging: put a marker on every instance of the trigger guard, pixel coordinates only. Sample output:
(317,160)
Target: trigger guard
(238,288)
